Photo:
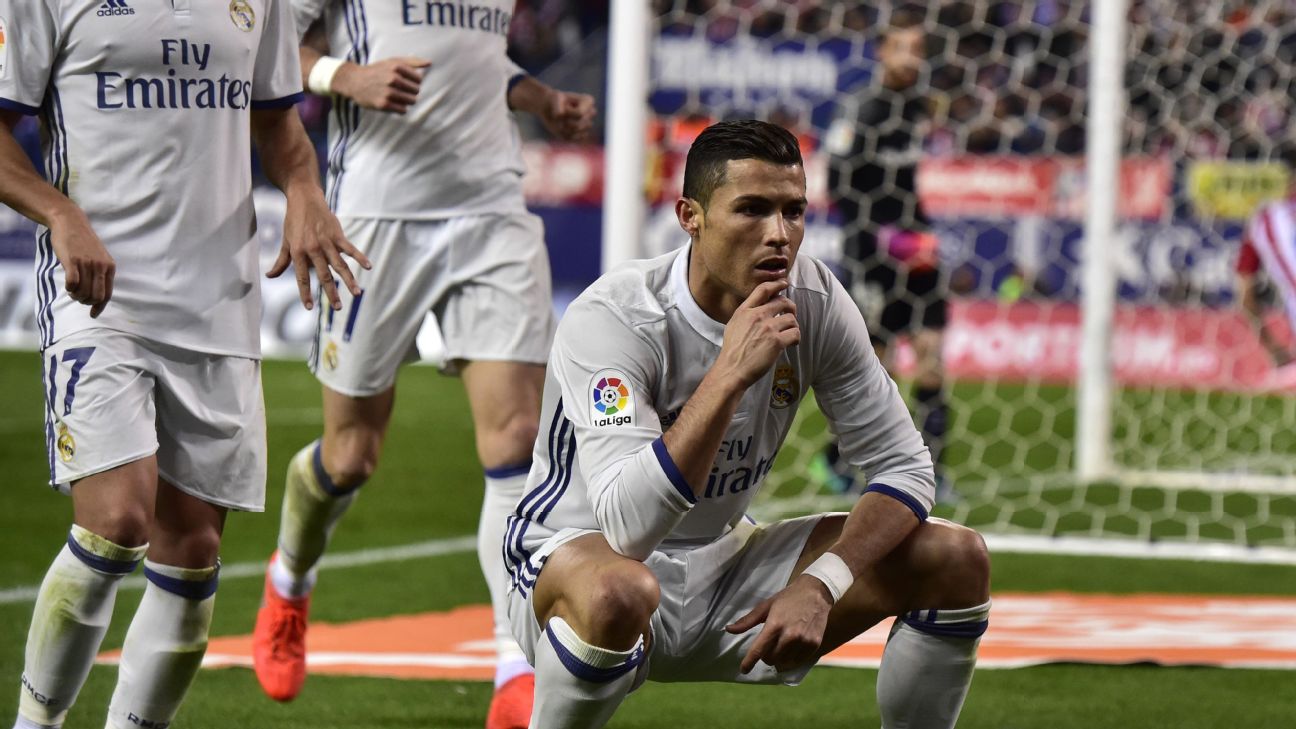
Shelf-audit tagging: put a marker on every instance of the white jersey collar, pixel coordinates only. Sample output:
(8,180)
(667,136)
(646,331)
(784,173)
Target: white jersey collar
(709,328)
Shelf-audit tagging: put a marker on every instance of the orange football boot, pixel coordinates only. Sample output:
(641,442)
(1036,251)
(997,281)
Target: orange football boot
(279,643)
(511,706)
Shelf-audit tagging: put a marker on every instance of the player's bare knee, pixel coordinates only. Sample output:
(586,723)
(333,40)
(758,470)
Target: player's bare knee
(352,459)
(125,524)
(621,600)
(966,573)
(353,473)
(191,548)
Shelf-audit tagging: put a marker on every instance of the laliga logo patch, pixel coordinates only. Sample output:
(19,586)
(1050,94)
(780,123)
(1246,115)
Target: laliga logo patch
(785,387)
(242,15)
(66,445)
(613,401)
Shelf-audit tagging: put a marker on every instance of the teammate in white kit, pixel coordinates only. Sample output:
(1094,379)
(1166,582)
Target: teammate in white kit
(672,384)
(1269,244)
(154,416)
(424,172)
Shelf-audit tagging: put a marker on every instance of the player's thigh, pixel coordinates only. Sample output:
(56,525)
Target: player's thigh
(354,430)
(500,391)
(500,306)
(359,347)
(118,504)
(505,402)
(211,427)
(350,418)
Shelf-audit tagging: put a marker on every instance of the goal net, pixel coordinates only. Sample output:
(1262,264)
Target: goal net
(948,186)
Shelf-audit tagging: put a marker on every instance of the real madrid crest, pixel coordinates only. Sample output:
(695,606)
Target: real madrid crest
(785,387)
(331,355)
(66,445)
(242,14)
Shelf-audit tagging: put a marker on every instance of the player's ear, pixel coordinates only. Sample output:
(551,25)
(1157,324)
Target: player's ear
(689,213)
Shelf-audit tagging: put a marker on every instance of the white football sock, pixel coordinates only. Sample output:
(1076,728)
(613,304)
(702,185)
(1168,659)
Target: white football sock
(579,686)
(927,667)
(312,507)
(71,615)
(290,585)
(504,487)
(164,645)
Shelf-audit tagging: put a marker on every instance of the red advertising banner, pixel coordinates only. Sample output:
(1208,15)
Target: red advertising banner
(972,186)
(1162,347)
(1000,186)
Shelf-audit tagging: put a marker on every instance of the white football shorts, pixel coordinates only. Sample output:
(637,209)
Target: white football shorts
(485,278)
(112,398)
(702,590)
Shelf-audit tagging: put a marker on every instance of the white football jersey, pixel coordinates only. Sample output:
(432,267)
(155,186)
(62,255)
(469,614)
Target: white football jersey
(145,107)
(454,152)
(630,352)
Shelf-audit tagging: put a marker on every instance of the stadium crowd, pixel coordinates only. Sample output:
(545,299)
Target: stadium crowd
(1009,77)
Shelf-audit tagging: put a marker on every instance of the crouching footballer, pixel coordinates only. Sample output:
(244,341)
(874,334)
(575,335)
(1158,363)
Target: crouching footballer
(671,386)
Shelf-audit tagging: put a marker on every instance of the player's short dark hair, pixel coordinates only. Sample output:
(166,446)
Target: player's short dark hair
(731,140)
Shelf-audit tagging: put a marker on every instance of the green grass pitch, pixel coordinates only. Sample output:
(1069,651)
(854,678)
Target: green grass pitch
(428,486)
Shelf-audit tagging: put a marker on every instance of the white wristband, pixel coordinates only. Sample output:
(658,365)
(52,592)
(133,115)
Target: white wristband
(833,572)
(321,76)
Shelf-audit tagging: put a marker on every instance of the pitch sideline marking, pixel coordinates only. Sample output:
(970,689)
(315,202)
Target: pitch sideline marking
(996,542)
(342,560)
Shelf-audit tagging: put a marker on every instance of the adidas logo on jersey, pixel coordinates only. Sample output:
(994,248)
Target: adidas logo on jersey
(115,7)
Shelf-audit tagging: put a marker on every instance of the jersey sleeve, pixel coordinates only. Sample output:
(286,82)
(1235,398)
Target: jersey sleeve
(513,75)
(606,371)
(29,43)
(305,13)
(276,80)
(864,408)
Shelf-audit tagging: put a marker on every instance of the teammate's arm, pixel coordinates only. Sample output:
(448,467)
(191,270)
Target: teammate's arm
(391,84)
(567,116)
(88,269)
(312,237)
(87,266)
